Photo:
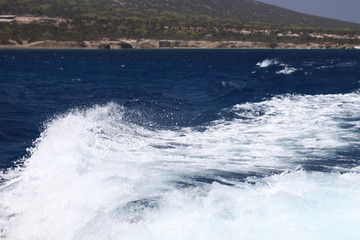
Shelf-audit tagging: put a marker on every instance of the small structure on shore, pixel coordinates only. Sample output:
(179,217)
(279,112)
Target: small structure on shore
(7,18)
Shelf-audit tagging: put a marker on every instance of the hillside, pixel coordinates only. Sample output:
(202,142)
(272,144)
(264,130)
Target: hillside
(244,10)
(211,20)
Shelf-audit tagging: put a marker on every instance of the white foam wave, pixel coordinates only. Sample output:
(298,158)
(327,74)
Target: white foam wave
(270,62)
(94,176)
(290,206)
(287,71)
(267,62)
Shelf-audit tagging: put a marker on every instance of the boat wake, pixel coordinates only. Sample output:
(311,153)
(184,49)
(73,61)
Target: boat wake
(287,167)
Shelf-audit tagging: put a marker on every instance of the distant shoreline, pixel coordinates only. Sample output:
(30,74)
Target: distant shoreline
(168,44)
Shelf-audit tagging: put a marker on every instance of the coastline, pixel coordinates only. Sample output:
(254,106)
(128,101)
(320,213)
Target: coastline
(168,44)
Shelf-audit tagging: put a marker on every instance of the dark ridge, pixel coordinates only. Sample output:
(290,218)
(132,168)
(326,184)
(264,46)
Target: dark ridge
(244,10)
(210,20)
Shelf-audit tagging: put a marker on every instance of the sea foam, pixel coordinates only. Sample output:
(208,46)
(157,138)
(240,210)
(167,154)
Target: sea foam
(93,175)
(267,62)
(287,71)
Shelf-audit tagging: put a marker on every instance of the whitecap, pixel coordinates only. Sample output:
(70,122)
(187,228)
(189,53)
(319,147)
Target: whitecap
(267,62)
(287,70)
(93,175)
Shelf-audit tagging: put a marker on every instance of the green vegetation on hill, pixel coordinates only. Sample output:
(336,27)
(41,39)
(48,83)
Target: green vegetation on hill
(114,19)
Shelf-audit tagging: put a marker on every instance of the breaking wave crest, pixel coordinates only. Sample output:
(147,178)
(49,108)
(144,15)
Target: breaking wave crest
(286,69)
(92,175)
(268,62)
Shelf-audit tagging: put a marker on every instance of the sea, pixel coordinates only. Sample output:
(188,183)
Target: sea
(179,144)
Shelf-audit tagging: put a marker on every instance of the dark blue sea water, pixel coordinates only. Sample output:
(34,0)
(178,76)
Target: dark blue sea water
(180,144)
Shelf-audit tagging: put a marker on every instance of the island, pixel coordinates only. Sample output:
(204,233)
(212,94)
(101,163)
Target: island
(153,24)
